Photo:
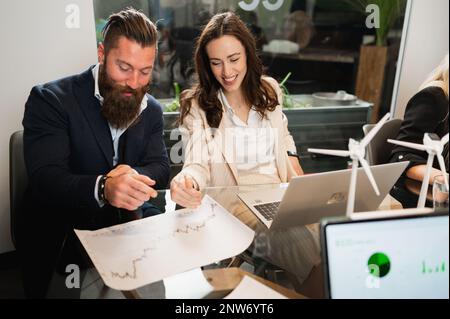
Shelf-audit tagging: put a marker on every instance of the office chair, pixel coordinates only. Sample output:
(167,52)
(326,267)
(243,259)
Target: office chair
(18,180)
(379,150)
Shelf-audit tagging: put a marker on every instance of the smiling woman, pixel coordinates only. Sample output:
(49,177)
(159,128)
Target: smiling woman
(228,62)
(224,50)
(232,107)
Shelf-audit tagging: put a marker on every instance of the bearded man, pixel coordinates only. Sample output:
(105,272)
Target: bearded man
(93,147)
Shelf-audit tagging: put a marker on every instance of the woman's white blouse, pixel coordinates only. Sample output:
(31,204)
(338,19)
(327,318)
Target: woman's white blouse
(253,145)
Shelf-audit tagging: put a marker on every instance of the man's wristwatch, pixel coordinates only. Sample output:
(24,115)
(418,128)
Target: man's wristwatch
(101,188)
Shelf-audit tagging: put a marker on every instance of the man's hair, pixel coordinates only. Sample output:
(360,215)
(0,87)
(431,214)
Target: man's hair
(132,24)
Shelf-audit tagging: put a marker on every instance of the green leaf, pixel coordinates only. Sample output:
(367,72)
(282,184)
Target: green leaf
(175,104)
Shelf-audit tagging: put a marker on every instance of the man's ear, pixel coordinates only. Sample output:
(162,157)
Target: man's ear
(101,53)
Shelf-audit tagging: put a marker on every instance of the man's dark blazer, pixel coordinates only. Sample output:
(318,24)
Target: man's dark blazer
(67,145)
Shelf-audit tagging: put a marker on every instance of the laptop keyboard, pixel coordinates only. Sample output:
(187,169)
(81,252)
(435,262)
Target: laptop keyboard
(268,210)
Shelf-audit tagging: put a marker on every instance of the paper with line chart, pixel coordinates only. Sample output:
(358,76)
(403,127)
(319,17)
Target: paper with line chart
(140,252)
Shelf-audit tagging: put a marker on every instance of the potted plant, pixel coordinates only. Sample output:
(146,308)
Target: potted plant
(174,105)
(373,59)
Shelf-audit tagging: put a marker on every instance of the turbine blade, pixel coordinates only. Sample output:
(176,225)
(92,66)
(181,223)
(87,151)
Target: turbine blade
(409,145)
(366,140)
(443,170)
(444,140)
(366,167)
(329,152)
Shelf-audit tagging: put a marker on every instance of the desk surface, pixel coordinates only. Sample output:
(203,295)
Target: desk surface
(224,280)
(296,251)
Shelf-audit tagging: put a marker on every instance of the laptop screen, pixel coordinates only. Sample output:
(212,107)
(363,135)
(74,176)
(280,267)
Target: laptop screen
(390,258)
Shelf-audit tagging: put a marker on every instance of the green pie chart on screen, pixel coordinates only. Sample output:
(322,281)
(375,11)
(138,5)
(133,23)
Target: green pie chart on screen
(379,265)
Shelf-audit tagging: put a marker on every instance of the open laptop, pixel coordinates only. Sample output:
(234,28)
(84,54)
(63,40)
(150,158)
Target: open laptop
(399,257)
(309,198)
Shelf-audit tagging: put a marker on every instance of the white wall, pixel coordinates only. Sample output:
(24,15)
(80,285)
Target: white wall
(425,46)
(36,47)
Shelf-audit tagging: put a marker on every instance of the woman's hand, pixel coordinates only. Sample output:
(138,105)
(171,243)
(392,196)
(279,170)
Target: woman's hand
(417,173)
(183,192)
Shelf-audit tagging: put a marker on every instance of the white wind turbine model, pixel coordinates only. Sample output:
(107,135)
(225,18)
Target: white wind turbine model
(356,151)
(433,146)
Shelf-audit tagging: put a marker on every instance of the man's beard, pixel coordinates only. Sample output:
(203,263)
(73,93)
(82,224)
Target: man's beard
(118,109)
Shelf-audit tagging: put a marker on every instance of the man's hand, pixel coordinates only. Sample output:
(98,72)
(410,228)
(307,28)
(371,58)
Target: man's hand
(121,169)
(184,194)
(125,188)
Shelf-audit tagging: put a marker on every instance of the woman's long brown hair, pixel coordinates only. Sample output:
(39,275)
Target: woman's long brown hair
(257,92)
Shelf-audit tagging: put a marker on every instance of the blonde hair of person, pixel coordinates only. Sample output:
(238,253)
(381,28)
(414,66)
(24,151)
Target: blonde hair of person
(438,77)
